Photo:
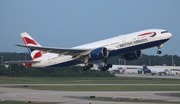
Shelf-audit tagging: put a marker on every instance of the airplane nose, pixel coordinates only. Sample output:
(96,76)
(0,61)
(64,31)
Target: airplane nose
(169,35)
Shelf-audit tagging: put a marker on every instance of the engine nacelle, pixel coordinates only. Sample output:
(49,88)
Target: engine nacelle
(99,53)
(132,55)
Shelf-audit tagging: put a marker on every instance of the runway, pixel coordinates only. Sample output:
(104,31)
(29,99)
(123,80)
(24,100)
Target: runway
(80,97)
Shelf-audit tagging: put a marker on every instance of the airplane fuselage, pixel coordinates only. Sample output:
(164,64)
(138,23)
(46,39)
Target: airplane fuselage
(118,46)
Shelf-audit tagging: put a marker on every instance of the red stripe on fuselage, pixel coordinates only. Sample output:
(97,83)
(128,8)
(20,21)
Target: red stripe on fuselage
(144,34)
(29,41)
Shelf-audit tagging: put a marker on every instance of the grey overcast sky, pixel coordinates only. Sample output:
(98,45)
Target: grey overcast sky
(68,23)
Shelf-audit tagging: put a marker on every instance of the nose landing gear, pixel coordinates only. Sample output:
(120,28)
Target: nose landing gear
(159,48)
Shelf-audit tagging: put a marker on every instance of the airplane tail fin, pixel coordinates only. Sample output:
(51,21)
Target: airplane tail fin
(28,40)
(145,68)
(144,65)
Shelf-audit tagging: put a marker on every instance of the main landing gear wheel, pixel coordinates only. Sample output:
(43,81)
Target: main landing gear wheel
(159,52)
(106,67)
(86,67)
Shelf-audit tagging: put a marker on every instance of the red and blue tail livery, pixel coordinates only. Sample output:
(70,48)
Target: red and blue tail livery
(28,40)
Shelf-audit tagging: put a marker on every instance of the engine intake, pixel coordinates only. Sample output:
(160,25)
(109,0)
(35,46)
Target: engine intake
(132,55)
(99,53)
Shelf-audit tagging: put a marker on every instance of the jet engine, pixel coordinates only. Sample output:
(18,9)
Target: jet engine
(132,55)
(99,53)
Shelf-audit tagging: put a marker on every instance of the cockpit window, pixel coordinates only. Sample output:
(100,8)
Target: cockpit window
(162,32)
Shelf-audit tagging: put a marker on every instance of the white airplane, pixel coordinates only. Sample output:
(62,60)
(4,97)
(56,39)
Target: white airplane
(127,46)
(159,71)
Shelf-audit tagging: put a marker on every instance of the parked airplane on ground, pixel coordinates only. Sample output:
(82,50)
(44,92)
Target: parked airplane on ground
(127,46)
(159,71)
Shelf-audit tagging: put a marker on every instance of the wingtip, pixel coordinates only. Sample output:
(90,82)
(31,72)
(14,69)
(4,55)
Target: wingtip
(17,44)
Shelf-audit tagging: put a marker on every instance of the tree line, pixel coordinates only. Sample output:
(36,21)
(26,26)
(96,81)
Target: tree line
(75,71)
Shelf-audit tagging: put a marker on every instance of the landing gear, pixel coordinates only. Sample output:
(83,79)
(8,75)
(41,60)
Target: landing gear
(159,48)
(159,52)
(86,67)
(106,67)
(109,65)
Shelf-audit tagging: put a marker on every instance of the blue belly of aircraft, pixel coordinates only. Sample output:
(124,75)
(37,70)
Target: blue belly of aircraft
(115,52)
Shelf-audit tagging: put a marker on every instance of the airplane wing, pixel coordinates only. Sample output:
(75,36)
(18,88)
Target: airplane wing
(61,51)
(20,62)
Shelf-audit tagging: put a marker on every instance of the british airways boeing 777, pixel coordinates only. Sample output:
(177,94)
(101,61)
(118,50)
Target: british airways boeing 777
(127,46)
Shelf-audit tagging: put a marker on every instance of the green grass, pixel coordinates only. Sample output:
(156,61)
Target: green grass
(95,80)
(22,102)
(86,80)
(106,88)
